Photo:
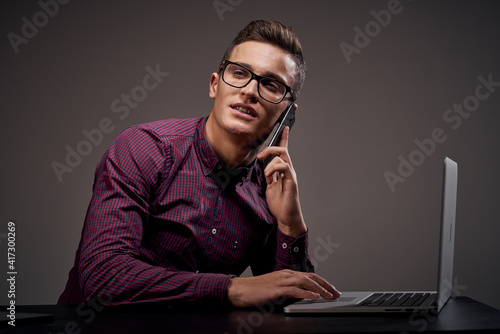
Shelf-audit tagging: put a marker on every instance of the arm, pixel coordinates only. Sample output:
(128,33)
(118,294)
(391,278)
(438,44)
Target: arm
(283,201)
(282,251)
(110,265)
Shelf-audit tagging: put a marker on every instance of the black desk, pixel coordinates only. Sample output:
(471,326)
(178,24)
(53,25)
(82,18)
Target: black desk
(460,314)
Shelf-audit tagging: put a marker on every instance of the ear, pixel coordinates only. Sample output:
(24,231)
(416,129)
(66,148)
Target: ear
(296,106)
(214,85)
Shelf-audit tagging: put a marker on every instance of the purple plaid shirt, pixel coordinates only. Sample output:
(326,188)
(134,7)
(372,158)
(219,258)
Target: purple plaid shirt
(159,228)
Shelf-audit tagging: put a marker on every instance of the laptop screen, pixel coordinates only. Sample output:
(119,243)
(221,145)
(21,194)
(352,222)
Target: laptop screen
(447,241)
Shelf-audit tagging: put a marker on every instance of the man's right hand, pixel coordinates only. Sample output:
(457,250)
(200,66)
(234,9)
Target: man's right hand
(257,290)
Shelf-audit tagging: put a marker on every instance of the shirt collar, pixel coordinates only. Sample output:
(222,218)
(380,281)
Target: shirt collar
(206,154)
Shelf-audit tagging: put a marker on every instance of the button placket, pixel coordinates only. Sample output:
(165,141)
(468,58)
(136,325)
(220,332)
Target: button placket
(210,247)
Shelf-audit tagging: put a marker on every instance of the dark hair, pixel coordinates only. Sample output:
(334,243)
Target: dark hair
(279,35)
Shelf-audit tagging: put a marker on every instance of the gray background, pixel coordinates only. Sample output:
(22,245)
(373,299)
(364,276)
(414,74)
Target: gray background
(353,122)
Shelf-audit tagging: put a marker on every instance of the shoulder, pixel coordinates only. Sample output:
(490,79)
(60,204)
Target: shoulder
(143,150)
(171,127)
(154,138)
(161,133)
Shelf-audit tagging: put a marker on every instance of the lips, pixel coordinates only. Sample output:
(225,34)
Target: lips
(245,109)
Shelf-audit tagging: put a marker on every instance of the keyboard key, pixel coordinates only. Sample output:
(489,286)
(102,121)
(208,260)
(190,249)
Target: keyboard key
(371,299)
(421,299)
(401,300)
(392,299)
(412,299)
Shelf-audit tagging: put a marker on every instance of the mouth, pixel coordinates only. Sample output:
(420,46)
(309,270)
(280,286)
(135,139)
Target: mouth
(244,109)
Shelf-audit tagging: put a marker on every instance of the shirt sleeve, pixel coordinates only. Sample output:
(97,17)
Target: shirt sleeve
(283,252)
(292,253)
(124,187)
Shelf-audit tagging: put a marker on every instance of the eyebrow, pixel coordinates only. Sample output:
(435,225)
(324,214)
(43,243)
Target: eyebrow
(265,74)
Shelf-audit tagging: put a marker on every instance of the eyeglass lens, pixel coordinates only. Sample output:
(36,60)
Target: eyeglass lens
(269,89)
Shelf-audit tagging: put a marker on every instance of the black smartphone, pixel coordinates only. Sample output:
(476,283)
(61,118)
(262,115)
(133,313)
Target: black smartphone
(287,118)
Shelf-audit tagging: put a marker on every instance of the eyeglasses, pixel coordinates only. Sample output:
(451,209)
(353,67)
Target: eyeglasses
(269,89)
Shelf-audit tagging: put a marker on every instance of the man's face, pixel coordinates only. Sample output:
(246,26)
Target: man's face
(241,111)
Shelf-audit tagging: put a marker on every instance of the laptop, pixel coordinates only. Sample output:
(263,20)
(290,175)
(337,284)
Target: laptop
(403,301)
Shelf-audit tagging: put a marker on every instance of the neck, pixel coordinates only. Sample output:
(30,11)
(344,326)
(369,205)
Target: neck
(232,149)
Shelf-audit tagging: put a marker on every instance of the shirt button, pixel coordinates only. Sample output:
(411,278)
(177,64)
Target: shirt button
(284,245)
(214,231)
(295,249)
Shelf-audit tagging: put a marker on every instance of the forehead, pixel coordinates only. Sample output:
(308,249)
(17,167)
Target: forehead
(266,59)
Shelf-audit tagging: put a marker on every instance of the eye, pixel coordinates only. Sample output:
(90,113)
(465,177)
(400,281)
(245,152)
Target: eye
(272,85)
(239,72)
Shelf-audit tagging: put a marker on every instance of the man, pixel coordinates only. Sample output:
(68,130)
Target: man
(163,226)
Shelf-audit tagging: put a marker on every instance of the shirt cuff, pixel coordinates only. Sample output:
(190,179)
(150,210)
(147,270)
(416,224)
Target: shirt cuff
(213,286)
(291,252)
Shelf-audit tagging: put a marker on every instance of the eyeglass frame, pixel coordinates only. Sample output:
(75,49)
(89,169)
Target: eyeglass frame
(257,77)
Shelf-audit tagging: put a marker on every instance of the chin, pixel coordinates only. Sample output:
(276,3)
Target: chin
(236,125)
(238,128)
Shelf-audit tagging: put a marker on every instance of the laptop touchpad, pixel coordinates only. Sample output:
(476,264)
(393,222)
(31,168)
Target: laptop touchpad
(321,300)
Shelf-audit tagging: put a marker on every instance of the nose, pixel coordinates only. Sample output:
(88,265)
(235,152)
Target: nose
(251,89)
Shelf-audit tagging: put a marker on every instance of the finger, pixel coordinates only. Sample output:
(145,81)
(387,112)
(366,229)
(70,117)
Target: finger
(280,167)
(277,165)
(325,284)
(306,285)
(277,170)
(277,151)
(284,137)
(314,286)
(270,178)
(314,283)
(298,293)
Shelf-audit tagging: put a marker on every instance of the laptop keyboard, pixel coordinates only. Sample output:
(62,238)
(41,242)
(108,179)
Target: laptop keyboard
(395,299)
